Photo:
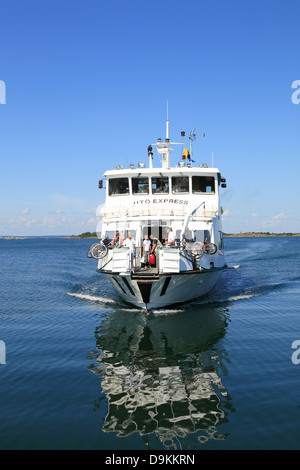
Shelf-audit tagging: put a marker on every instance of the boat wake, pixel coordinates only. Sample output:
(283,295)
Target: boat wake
(105,300)
(92,298)
(168,311)
(164,311)
(224,300)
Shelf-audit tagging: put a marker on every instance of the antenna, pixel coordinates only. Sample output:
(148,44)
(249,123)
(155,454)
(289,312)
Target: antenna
(167,123)
(192,138)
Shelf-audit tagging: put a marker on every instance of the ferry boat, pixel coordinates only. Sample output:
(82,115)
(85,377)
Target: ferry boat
(176,208)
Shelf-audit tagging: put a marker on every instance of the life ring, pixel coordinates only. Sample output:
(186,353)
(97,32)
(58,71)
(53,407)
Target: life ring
(118,238)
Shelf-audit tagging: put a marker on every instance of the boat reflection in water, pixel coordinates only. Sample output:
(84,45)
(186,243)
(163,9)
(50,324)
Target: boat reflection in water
(162,374)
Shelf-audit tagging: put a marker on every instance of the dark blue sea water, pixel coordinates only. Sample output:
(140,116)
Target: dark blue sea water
(84,370)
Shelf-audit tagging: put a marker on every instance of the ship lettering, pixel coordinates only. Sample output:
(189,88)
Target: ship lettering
(161,201)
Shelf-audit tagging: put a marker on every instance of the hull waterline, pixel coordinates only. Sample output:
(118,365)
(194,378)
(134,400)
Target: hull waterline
(167,290)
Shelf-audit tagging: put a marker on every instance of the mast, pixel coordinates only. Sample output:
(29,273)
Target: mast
(166,162)
(163,148)
(167,125)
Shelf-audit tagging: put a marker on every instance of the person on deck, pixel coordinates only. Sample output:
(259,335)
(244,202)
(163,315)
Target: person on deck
(146,249)
(130,242)
(171,237)
(155,243)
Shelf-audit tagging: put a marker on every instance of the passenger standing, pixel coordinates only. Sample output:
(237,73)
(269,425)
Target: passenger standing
(171,237)
(130,242)
(155,243)
(146,249)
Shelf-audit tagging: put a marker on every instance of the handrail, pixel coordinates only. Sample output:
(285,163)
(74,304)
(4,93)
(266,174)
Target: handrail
(187,219)
(100,269)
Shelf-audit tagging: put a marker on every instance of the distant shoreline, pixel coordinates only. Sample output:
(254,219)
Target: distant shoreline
(259,234)
(84,235)
(78,236)
(13,238)
(88,235)
(229,235)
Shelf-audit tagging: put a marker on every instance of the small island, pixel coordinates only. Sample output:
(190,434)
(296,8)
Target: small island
(85,235)
(13,238)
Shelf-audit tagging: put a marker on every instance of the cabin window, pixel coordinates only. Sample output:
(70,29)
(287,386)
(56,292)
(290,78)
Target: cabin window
(203,184)
(108,236)
(202,236)
(118,186)
(180,184)
(160,185)
(188,236)
(140,185)
(119,233)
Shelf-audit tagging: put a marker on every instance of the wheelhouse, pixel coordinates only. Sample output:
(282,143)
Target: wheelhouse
(146,184)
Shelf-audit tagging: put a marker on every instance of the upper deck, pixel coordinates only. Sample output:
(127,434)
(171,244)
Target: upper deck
(157,191)
(162,191)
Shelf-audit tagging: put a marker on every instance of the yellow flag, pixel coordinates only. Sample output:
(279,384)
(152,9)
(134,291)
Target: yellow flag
(185,153)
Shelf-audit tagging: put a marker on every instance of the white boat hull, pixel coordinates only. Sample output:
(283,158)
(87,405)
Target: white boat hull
(165,290)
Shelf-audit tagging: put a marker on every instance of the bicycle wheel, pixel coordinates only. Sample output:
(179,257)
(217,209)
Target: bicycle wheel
(99,251)
(211,249)
(198,249)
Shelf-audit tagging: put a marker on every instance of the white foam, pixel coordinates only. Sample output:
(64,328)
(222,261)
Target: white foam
(165,311)
(93,298)
(132,309)
(242,297)
(234,298)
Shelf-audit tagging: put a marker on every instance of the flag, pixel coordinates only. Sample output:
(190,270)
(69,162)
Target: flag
(185,154)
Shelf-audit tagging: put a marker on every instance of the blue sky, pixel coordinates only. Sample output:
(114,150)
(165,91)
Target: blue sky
(86,89)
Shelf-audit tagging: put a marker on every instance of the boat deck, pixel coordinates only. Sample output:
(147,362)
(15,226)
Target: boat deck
(147,271)
(145,274)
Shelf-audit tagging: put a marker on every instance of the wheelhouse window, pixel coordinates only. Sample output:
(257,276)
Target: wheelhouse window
(203,184)
(118,186)
(140,185)
(160,185)
(180,184)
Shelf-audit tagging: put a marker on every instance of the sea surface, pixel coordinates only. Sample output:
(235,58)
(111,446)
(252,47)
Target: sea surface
(84,370)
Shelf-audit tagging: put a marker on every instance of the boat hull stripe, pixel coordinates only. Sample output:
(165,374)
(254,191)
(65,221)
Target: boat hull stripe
(165,286)
(116,280)
(128,285)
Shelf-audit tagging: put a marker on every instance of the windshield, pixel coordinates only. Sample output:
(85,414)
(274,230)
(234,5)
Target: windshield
(118,186)
(160,185)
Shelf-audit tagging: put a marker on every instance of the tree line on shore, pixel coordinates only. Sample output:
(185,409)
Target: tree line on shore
(241,234)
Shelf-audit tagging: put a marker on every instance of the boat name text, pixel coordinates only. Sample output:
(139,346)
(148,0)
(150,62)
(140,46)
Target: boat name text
(161,201)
